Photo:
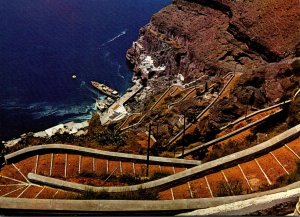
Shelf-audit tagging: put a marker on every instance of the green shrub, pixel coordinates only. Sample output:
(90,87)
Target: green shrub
(159,175)
(129,179)
(100,176)
(285,179)
(233,187)
(141,194)
(223,190)
(251,138)
(109,138)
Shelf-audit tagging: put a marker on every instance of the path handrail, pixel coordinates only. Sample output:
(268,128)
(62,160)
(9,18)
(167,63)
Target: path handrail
(180,177)
(128,206)
(201,113)
(173,85)
(90,151)
(135,113)
(296,94)
(222,138)
(185,96)
(161,97)
(255,113)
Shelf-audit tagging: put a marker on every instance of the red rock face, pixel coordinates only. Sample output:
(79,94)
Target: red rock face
(275,80)
(193,37)
(260,37)
(273,24)
(269,84)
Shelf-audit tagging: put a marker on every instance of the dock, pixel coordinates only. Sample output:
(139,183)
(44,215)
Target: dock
(117,110)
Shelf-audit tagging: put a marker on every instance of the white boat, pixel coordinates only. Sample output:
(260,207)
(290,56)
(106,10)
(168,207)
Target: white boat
(105,89)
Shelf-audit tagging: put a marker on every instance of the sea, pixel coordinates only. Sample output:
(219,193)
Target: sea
(44,42)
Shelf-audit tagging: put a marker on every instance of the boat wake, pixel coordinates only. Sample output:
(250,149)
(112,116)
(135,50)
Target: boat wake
(114,38)
(83,84)
(118,72)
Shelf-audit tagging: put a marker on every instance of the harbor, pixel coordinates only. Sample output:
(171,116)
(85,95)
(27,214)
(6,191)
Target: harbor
(112,109)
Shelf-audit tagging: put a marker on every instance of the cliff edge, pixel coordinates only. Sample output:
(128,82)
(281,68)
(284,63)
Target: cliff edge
(260,39)
(195,37)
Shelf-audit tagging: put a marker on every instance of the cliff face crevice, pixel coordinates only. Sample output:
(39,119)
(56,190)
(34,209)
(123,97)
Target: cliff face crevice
(214,4)
(253,45)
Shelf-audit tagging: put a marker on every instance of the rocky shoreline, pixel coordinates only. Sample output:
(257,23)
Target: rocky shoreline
(72,128)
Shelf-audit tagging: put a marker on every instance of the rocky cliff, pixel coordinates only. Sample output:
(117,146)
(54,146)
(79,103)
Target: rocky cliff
(195,37)
(261,39)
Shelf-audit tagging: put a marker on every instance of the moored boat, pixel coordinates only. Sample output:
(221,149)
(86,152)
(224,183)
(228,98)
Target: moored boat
(105,89)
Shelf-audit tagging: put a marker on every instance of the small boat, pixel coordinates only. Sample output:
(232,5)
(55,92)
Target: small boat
(74,76)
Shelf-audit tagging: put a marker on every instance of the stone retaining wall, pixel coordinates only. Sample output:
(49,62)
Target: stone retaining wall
(222,138)
(180,177)
(250,206)
(255,113)
(89,151)
(130,206)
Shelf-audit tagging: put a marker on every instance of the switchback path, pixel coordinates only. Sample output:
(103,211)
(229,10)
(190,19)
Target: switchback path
(238,131)
(224,92)
(75,164)
(271,147)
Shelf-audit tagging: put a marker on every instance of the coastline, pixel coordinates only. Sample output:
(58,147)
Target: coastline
(71,128)
(115,112)
(37,96)
(81,128)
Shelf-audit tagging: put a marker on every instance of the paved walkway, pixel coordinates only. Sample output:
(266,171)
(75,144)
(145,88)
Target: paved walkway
(117,111)
(282,160)
(191,127)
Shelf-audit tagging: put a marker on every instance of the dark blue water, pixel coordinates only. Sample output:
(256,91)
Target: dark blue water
(44,42)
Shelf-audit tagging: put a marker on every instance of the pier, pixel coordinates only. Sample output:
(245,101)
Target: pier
(117,110)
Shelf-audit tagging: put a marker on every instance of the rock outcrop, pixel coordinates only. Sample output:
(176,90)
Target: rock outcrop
(257,88)
(195,37)
(261,39)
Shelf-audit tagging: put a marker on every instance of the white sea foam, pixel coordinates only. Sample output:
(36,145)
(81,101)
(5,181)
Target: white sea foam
(119,67)
(83,117)
(78,118)
(40,110)
(114,38)
(76,113)
(63,110)
(38,105)
(16,104)
(83,84)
